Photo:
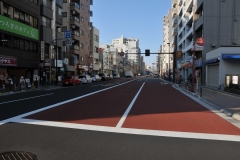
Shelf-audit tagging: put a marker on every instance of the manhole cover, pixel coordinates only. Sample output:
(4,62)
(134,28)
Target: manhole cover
(17,155)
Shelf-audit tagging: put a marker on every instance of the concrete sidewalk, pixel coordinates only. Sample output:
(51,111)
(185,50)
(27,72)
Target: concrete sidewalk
(45,87)
(227,103)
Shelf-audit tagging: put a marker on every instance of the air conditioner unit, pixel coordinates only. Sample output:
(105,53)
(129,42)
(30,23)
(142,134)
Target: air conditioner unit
(73,26)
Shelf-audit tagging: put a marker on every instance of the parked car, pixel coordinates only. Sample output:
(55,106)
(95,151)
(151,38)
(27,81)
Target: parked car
(116,76)
(85,78)
(96,78)
(71,80)
(155,75)
(110,76)
(103,76)
(128,74)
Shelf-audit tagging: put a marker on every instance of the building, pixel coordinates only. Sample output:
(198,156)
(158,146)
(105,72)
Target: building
(76,17)
(20,39)
(51,40)
(220,28)
(130,46)
(94,50)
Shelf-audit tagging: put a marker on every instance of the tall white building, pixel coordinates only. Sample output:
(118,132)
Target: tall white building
(130,46)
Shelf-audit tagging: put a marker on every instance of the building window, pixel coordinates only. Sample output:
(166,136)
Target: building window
(82,32)
(21,44)
(46,22)
(31,21)
(82,19)
(26,45)
(21,17)
(82,6)
(16,43)
(64,28)
(64,14)
(82,45)
(58,10)
(27,19)
(82,59)
(35,1)
(96,38)
(35,22)
(64,1)
(16,14)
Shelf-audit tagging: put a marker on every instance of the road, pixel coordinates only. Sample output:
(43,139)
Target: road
(131,118)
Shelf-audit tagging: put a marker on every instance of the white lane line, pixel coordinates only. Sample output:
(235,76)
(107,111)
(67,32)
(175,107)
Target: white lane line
(57,104)
(119,125)
(160,133)
(26,98)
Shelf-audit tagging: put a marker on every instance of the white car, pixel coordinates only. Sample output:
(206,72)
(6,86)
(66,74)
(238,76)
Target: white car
(96,78)
(116,76)
(85,78)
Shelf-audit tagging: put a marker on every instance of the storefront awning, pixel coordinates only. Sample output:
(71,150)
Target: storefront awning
(230,56)
(211,61)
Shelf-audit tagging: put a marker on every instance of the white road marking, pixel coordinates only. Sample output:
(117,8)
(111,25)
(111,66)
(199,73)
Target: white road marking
(57,104)
(119,125)
(26,98)
(161,133)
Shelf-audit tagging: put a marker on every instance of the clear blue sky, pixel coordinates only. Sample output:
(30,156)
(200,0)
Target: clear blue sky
(141,19)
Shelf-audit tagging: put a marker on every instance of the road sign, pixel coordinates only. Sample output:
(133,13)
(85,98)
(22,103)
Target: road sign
(67,34)
(68,41)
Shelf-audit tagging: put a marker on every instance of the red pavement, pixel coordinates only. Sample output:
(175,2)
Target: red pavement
(161,107)
(104,108)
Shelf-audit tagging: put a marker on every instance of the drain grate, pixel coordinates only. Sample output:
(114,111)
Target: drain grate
(17,155)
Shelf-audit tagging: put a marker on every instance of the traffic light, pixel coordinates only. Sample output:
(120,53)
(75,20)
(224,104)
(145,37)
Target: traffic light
(147,52)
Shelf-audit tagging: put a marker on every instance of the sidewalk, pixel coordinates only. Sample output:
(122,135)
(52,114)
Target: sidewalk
(227,103)
(46,87)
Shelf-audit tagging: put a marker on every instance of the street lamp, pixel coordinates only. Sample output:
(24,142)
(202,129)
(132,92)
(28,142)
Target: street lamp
(169,62)
(56,57)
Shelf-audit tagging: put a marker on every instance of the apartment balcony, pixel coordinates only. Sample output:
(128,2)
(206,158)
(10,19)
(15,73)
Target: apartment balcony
(75,47)
(74,4)
(174,3)
(74,20)
(199,6)
(76,35)
(198,23)
(189,6)
(174,12)
(175,20)
(180,2)
(188,47)
(174,31)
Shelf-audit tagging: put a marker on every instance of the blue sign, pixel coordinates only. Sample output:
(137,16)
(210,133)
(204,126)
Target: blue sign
(67,34)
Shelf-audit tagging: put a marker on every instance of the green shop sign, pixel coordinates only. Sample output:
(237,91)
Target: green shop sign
(18,28)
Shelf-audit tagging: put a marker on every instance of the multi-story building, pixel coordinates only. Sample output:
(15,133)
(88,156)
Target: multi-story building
(76,17)
(129,46)
(19,38)
(220,28)
(94,49)
(111,60)
(51,39)
(185,35)
(165,46)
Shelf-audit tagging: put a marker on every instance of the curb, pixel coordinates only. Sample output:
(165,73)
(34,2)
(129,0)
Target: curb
(230,114)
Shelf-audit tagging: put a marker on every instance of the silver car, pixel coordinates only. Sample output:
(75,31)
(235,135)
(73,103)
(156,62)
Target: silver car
(85,78)
(96,78)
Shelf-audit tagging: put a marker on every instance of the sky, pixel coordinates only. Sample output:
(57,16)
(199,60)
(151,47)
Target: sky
(141,19)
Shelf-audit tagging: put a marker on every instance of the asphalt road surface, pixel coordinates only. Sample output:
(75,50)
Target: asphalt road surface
(130,118)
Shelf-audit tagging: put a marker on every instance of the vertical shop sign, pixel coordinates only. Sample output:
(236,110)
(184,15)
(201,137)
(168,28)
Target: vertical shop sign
(42,51)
